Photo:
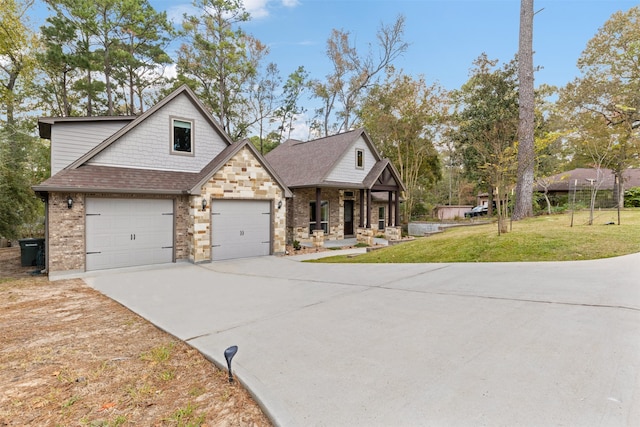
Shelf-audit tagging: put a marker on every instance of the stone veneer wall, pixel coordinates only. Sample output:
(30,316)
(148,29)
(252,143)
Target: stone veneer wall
(242,177)
(66,239)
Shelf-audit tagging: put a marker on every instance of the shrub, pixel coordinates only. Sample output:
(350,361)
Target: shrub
(632,198)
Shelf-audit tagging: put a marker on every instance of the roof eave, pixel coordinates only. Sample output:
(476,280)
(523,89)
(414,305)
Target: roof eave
(70,189)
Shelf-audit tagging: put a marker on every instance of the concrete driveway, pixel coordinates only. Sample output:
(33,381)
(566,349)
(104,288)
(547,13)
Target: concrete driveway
(499,344)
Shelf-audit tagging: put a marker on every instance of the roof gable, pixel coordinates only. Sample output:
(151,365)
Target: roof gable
(145,142)
(384,177)
(312,163)
(221,159)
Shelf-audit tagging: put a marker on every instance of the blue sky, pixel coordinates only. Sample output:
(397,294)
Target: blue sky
(445,36)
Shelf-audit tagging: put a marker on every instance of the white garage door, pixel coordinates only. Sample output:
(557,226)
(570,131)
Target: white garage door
(128,232)
(240,228)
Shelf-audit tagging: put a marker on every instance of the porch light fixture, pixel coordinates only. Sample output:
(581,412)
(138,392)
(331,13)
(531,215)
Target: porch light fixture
(279,204)
(228,354)
(69,202)
(204,204)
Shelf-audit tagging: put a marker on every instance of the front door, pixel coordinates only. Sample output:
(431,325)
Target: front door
(348,217)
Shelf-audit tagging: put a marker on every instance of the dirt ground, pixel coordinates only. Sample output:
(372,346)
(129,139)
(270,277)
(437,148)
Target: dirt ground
(70,356)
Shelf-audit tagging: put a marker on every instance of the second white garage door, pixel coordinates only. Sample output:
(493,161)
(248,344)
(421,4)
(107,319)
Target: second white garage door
(240,228)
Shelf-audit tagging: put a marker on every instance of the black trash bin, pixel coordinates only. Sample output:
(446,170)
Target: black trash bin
(30,251)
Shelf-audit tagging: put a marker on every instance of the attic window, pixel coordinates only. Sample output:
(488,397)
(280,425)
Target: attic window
(181,136)
(359,158)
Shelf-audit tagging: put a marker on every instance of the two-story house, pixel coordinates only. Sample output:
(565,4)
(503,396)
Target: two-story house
(165,186)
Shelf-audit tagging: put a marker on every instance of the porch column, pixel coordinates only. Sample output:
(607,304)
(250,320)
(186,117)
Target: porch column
(397,218)
(361,223)
(368,208)
(390,219)
(318,208)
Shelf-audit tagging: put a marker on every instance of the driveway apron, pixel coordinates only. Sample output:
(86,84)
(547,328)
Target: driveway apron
(410,344)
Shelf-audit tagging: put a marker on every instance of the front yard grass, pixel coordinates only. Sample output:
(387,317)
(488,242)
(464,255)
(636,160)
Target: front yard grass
(543,238)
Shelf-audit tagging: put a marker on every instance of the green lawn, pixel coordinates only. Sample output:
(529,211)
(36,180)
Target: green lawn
(544,238)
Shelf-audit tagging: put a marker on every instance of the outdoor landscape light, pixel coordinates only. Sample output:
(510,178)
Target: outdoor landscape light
(204,204)
(228,354)
(69,202)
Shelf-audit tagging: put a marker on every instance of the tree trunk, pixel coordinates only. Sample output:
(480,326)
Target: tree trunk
(10,86)
(65,96)
(526,152)
(107,81)
(89,94)
(547,201)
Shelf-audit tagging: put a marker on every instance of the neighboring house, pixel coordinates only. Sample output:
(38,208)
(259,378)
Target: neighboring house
(341,187)
(168,185)
(560,187)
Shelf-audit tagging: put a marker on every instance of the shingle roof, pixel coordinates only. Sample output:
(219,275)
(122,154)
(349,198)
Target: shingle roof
(107,179)
(302,164)
(581,177)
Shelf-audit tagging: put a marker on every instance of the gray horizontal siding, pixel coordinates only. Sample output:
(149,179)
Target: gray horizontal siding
(69,141)
(148,145)
(346,171)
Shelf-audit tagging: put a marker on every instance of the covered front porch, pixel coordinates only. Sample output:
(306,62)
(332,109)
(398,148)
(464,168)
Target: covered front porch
(335,212)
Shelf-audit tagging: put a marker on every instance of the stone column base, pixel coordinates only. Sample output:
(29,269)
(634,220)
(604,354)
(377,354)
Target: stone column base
(393,233)
(365,235)
(318,238)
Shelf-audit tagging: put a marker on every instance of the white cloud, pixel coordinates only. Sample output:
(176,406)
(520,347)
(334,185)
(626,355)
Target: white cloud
(170,71)
(176,13)
(300,128)
(259,8)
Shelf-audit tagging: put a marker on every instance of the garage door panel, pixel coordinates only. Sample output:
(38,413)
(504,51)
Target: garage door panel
(240,228)
(128,232)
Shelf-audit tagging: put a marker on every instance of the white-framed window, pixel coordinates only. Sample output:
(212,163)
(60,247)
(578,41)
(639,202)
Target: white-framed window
(324,216)
(381,218)
(359,158)
(182,136)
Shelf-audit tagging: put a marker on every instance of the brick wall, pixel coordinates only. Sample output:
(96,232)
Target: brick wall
(182,221)
(298,225)
(65,242)
(299,228)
